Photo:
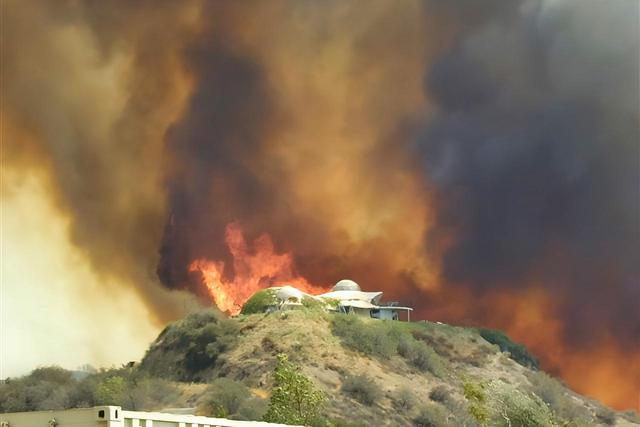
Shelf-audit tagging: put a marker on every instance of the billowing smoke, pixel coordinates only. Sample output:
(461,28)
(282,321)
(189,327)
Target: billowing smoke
(290,133)
(478,160)
(534,154)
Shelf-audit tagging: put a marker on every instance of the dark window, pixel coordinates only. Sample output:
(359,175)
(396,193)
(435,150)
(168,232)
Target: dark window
(101,413)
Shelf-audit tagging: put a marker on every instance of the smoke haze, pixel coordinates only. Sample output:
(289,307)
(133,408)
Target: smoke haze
(477,162)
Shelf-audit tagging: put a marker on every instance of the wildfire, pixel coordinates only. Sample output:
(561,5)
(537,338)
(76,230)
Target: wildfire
(257,267)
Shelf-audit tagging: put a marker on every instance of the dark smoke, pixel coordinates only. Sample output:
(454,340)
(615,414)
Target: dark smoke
(534,151)
(211,183)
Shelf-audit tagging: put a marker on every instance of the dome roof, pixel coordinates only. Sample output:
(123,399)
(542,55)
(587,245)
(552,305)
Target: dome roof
(346,285)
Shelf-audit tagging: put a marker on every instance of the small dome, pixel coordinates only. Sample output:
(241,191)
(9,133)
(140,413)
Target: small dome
(346,285)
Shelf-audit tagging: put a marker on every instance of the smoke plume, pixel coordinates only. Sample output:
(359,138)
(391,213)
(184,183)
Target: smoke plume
(478,160)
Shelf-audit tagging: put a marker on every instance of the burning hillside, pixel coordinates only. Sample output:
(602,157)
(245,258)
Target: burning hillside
(478,161)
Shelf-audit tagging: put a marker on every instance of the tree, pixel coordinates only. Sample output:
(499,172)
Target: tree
(111,391)
(295,399)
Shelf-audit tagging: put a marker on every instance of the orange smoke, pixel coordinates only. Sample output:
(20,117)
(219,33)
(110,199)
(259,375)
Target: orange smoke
(604,370)
(255,268)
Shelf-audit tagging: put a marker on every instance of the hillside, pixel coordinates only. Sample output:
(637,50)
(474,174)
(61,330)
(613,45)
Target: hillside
(370,370)
(373,372)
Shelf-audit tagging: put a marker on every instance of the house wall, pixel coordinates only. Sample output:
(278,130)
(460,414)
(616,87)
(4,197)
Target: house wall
(114,416)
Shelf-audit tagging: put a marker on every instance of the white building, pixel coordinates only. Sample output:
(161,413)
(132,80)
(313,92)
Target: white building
(114,416)
(345,297)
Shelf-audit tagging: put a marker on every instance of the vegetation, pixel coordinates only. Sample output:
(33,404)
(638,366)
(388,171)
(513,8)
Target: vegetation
(477,397)
(517,352)
(55,388)
(361,388)
(404,398)
(189,350)
(431,415)
(501,405)
(294,399)
(259,302)
(375,338)
(385,339)
(226,398)
(440,394)
(552,392)
(208,361)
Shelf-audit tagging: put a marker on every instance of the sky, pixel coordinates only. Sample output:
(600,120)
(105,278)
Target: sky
(479,161)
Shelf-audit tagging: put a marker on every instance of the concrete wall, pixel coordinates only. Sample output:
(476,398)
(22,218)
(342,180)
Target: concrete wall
(114,416)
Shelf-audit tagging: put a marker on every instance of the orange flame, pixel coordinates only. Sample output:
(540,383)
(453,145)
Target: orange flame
(254,270)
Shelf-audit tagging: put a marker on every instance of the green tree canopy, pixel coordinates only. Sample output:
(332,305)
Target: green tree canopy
(295,399)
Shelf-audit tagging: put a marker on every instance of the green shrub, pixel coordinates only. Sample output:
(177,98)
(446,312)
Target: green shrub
(431,415)
(294,399)
(361,388)
(188,350)
(554,394)
(224,398)
(385,339)
(259,302)
(373,338)
(514,408)
(111,391)
(44,388)
(425,359)
(404,398)
(312,304)
(517,352)
(251,409)
(476,396)
(51,374)
(150,393)
(56,388)
(440,394)
(501,405)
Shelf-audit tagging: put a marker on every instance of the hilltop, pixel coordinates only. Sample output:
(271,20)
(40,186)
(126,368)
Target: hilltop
(373,372)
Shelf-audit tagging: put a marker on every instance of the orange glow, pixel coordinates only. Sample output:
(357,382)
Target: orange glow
(254,268)
(605,370)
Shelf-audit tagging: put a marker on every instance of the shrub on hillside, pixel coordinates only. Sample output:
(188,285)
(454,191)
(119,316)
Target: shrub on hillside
(223,398)
(312,304)
(426,359)
(385,339)
(189,349)
(517,352)
(440,394)
(111,391)
(294,399)
(56,388)
(404,398)
(374,338)
(259,302)
(45,388)
(251,409)
(514,408)
(554,394)
(431,415)
(361,388)
(501,405)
